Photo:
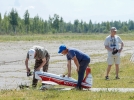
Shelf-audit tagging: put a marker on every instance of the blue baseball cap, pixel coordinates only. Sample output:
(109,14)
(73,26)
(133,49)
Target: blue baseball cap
(61,48)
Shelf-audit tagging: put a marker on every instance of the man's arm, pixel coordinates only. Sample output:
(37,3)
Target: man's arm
(76,63)
(69,68)
(122,45)
(108,48)
(42,64)
(106,44)
(26,64)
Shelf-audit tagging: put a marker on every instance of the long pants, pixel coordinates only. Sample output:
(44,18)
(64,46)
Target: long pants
(45,69)
(81,72)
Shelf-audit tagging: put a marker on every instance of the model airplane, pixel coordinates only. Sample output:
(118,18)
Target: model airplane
(53,79)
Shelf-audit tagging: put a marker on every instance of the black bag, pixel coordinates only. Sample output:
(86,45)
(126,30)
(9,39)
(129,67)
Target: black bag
(114,51)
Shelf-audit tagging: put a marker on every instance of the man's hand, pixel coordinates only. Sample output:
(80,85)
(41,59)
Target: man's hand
(120,50)
(29,73)
(28,69)
(63,75)
(77,69)
(69,74)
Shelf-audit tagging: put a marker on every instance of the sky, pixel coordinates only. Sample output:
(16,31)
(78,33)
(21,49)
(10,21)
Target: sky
(95,10)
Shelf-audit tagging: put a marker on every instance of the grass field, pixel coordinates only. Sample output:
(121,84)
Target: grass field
(64,95)
(98,71)
(66,36)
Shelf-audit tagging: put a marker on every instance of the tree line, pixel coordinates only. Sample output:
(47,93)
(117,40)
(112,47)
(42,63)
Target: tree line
(12,23)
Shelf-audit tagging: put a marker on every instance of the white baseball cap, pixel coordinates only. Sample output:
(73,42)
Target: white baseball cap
(113,28)
(31,53)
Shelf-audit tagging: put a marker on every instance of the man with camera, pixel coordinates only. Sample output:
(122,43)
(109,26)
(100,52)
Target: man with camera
(112,45)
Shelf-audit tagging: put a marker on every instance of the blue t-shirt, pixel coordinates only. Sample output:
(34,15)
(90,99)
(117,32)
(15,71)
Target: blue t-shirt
(79,54)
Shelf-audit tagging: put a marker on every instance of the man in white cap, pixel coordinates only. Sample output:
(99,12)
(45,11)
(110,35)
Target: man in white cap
(41,56)
(112,45)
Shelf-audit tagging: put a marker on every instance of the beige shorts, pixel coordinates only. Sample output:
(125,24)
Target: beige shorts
(113,59)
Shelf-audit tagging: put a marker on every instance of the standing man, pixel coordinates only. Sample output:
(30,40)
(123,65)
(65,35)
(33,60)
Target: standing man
(41,56)
(80,59)
(112,45)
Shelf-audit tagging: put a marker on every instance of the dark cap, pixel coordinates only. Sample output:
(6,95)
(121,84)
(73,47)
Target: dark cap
(61,48)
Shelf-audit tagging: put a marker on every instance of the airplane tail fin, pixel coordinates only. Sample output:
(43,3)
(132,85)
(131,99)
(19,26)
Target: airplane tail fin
(88,76)
(88,70)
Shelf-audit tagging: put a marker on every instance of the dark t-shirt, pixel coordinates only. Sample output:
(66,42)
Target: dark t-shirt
(79,54)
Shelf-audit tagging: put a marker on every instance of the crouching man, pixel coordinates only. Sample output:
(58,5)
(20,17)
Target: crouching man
(41,56)
(80,59)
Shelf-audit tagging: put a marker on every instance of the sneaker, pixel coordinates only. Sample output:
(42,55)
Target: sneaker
(23,86)
(106,78)
(43,87)
(33,86)
(117,77)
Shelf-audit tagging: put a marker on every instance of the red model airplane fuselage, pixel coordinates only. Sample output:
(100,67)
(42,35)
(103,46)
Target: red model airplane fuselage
(67,81)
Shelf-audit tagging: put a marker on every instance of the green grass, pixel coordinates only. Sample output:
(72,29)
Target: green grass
(67,36)
(65,95)
(126,75)
(98,71)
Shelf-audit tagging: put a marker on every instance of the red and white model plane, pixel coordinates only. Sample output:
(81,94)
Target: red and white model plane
(53,79)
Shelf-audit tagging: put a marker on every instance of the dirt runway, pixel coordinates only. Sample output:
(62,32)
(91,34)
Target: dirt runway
(13,54)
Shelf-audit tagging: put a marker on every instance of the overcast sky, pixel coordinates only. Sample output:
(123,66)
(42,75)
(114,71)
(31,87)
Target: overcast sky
(69,10)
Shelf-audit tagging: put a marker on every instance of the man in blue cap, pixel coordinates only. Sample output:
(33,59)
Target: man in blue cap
(80,59)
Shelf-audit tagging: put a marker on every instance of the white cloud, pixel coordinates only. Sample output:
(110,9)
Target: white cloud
(29,7)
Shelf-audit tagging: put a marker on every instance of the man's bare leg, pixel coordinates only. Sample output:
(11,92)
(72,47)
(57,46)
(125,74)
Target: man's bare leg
(117,70)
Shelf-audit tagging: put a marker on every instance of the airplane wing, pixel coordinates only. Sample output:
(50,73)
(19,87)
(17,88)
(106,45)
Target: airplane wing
(49,83)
